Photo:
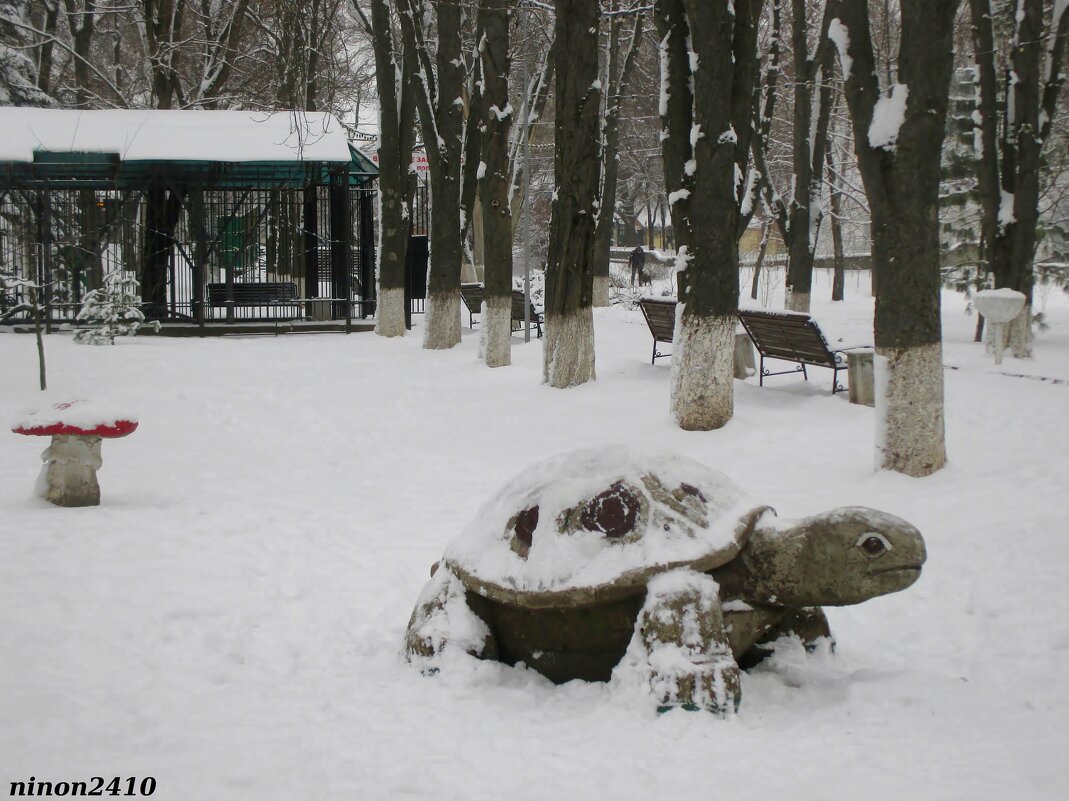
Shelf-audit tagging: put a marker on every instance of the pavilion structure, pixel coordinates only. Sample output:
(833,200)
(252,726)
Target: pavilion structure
(224,216)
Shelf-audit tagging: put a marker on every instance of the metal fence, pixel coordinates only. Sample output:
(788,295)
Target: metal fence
(235,254)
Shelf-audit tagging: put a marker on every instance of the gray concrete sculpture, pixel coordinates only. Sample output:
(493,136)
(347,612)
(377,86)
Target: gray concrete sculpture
(603,561)
(77,428)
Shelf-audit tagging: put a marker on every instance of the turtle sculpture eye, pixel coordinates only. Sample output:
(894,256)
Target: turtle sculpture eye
(872,544)
(613,512)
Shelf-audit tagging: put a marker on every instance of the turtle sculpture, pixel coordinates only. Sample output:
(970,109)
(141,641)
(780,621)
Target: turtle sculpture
(608,562)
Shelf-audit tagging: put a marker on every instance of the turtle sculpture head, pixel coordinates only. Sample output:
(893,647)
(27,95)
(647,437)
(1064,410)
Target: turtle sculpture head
(836,558)
(604,561)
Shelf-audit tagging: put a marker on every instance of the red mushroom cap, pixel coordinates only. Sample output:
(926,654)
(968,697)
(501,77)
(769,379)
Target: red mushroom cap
(56,420)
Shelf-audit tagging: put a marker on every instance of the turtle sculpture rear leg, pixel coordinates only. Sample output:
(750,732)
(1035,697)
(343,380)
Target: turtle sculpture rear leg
(808,623)
(443,622)
(681,646)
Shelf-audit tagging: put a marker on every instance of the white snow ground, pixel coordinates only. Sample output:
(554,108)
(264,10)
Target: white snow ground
(229,619)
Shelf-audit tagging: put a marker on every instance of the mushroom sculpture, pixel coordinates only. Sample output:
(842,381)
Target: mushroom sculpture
(71,461)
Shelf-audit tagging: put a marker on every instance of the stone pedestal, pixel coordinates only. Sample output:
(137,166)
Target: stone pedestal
(859,364)
(69,474)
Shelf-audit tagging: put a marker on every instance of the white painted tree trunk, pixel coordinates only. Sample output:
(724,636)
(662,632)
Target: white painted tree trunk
(797,301)
(909,409)
(601,290)
(703,368)
(390,313)
(495,339)
(442,320)
(568,355)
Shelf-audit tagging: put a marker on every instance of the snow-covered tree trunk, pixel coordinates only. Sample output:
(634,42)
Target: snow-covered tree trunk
(898,139)
(494,19)
(568,357)
(708,68)
(440,97)
(394,72)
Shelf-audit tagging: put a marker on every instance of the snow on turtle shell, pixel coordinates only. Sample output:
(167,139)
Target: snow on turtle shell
(594,525)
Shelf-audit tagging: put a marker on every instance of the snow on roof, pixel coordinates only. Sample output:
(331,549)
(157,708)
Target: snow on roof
(152,135)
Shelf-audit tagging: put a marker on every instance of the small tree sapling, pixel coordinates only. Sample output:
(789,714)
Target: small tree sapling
(112,311)
(27,297)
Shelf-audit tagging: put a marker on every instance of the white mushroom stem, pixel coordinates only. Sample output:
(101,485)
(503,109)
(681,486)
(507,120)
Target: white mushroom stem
(69,474)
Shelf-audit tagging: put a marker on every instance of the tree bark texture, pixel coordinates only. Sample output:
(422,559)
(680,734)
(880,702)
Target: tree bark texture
(494,19)
(901,179)
(568,355)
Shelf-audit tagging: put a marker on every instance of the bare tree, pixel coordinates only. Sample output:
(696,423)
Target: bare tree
(568,356)
(441,89)
(619,68)
(712,47)
(898,137)
(799,224)
(395,71)
(1028,55)
(18,79)
(495,18)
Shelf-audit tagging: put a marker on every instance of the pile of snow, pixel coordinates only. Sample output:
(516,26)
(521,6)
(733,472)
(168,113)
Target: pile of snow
(888,116)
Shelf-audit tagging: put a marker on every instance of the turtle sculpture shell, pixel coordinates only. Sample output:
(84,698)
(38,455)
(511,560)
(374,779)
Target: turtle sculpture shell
(600,559)
(595,525)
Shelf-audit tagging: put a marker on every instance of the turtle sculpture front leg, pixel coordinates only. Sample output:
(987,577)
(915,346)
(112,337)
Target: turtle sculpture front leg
(682,646)
(443,622)
(808,623)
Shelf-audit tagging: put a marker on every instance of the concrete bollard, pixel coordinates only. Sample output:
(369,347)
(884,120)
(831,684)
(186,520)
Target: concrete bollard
(859,365)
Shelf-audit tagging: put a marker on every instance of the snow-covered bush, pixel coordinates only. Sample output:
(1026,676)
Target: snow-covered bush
(112,311)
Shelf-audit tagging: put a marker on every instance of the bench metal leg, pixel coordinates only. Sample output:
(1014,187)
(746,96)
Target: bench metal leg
(835,385)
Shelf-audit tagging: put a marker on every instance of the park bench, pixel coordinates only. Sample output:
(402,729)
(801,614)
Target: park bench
(517,313)
(792,337)
(474,294)
(268,293)
(660,314)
